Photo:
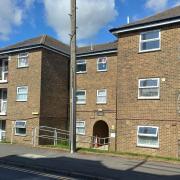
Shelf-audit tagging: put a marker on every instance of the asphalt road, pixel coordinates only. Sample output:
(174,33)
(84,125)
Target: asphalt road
(16,173)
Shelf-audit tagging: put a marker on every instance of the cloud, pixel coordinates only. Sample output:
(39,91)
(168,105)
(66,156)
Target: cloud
(10,16)
(92,15)
(156,5)
(159,5)
(29,3)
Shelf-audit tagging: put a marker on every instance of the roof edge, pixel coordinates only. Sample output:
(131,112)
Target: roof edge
(153,24)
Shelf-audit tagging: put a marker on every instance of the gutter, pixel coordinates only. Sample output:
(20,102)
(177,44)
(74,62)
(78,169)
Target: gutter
(123,30)
(34,47)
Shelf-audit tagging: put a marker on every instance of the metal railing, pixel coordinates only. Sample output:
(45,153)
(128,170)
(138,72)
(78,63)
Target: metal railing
(56,136)
(49,133)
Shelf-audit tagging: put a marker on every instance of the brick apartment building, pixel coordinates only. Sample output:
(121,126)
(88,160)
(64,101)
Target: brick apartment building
(127,90)
(148,83)
(96,91)
(33,87)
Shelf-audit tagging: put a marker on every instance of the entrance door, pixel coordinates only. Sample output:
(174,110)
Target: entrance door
(2,129)
(101,131)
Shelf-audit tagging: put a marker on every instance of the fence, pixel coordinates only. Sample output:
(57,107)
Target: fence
(54,136)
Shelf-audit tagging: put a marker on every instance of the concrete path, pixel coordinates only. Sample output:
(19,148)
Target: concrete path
(85,166)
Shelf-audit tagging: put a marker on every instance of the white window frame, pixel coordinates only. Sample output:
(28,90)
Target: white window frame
(149,40)
(81,103)
(78,62)
(80,121)
(104,70)
(3,71)
(101,96)
(147,87)
(18,134)
(19,87)
(148,135)
(3,101)
(23,55)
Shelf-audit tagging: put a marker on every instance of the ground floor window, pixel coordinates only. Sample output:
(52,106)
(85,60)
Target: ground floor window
(80,127)
(147,136)
(20,128)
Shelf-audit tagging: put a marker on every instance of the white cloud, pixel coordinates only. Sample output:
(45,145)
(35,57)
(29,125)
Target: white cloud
(10,16)
(28,3)
(156,5)
(92,15)
(159,5)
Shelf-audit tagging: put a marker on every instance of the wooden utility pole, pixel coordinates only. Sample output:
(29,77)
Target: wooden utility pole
(73,79)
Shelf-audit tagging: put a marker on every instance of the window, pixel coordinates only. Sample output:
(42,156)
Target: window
(81,66)
(150,41)
(101,96)
(147,136)
(102,64)
(20,128)
(3,70)
(22,93)
(23,60)
(81,97)
(149,88)
(3,101)
(80,127)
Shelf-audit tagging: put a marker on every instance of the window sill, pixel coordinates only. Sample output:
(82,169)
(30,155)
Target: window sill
(102,70)
(144,146)
(21,100)
(145,98)
(3,114)
(3,81)
(148,51)
(22,67)
(83,72)
(22,135)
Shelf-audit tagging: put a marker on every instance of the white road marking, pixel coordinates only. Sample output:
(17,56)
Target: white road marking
(32,156)
(34,172)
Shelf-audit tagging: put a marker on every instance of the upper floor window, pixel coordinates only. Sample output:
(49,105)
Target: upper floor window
(102,64)
(20,128)
(3,101)
(150,41)
(81,97)
(148,88)
(3,70)
(147,136)
(23,60)
(22,93)
(101,96)
(80,127)
(81,66)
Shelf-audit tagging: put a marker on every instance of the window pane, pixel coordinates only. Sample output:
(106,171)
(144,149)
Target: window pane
(22,90)
(23,62)
(150,45)
(148,141)
(150,35)
(80,124)
(81,68)
(22,97)
(80,97)
(148,130)
(80,130)
(102,66)
(101,92)
(21,131)
(149,92)
(20,124)
(149,82)
(101,99)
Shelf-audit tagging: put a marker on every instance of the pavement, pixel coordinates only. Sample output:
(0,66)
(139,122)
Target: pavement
(86,166)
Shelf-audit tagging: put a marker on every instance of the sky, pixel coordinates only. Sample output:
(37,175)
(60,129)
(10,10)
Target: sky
(24,19)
